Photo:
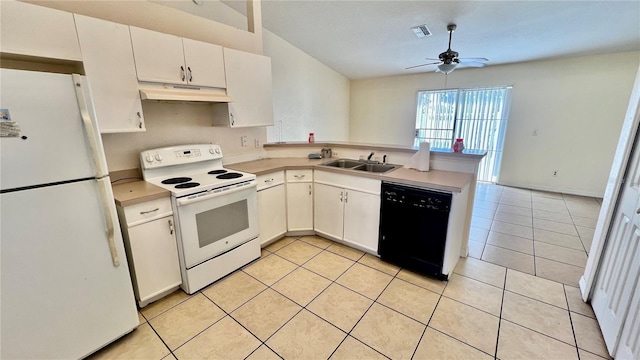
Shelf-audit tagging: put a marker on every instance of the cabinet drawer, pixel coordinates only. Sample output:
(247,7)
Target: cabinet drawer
(299,175)
(147,211)
(268,180)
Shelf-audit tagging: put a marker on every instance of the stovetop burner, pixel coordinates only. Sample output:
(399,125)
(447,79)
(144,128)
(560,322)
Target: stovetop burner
(229,176)
(187,185)
(216,172)
(176,180)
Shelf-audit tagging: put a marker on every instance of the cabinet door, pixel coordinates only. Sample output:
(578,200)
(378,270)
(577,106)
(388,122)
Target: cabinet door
(155,257)
(159,57)
(249,84)
(362,219)
(107,57)
(300,206)
(272,213)
(38,31)
(328,208)
(205,63)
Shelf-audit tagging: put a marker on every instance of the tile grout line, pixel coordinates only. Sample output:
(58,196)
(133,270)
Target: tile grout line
(504,289)
(573,330)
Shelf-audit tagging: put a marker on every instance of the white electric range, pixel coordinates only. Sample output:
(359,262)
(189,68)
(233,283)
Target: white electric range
(215,210)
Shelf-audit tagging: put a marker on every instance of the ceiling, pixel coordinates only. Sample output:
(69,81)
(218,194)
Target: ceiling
(372,38)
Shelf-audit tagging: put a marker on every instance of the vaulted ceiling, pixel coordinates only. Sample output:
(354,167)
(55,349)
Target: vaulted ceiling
(372,38)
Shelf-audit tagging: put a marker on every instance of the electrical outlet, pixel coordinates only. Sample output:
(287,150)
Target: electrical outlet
(243,140)
(257,143)
(555,173)
(334,154)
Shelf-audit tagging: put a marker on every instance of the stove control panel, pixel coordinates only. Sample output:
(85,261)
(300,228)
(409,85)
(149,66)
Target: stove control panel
(179,155)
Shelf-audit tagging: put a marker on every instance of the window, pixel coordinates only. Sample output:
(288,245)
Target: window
(479,116)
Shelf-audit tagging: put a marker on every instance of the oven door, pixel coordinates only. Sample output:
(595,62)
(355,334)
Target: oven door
(214,222)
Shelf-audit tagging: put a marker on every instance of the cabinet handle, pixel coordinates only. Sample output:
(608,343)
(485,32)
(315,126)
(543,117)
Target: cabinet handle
(341,196)
(139,119)
(190,76)
(299,176)
(182,76)
(268,180)
(170,226)
(346,196)
(233,120)
(148,212)
(309,189)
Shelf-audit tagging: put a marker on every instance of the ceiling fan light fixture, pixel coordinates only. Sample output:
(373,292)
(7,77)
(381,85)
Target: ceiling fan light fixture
(446,68)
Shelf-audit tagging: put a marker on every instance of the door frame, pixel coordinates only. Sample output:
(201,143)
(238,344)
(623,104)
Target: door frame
(628,134)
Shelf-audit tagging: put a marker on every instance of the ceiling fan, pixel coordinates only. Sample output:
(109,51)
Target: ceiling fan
(449,61)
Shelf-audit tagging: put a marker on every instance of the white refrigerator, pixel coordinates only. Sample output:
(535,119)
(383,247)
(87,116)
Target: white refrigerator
(65,284)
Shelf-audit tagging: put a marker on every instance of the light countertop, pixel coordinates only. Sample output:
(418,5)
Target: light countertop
(136,192)
(434,179)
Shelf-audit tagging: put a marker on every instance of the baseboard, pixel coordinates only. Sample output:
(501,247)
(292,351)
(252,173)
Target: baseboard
(568,191)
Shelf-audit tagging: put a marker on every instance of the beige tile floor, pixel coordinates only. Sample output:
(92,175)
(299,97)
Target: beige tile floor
(540,233)
(310,298)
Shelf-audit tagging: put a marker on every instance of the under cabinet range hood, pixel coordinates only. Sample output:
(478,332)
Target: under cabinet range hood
(170,92)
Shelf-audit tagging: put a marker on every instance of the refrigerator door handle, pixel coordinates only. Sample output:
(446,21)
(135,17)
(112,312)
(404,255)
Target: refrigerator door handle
(106,208)
(95,143)
(102,177)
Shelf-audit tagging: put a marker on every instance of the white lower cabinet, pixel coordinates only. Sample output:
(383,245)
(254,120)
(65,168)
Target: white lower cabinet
(272,212)
(347,208)
(300,200)
(149,233)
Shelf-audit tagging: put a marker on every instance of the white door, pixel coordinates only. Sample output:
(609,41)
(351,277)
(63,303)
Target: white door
(362,219)
(46,109)
(249,83)
(205,63)
(215,223)
(272,213)
(300,202)
(155,257)
(159,57)
(620,267)
(629,345)
(328,210)
(62,297)
(112,74)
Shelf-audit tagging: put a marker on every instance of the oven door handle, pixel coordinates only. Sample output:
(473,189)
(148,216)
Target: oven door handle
(213,194)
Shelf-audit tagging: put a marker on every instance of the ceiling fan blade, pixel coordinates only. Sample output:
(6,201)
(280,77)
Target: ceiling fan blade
(466,60)
(432,59)
(473,64)
(415,66)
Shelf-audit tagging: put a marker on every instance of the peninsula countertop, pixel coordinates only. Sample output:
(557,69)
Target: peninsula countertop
(433,179)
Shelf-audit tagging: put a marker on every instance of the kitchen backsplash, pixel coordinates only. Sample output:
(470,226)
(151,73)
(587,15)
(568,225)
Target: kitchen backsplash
(180,123)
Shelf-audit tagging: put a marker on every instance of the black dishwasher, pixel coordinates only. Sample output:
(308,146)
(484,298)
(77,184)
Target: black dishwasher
(413,228)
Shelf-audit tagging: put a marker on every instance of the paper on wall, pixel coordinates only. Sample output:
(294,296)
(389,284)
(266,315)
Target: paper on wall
(420,160)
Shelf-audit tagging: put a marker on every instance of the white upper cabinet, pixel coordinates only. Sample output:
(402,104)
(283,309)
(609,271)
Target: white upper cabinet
(34,30)
(205,64)
(108,62)
(169,59)
(249,85)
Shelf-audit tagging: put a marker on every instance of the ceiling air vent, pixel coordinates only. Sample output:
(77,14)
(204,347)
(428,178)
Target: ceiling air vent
(421,31)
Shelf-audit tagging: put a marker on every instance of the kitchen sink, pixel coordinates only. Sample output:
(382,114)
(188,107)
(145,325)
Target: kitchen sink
(361,165)
(344,163)
(376,168)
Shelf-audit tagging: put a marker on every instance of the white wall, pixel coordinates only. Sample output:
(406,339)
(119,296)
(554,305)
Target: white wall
(576,104)
(308,96)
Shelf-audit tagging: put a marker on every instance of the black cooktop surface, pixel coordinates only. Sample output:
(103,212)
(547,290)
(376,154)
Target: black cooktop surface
(229,175)
(187,185)
(176,180)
